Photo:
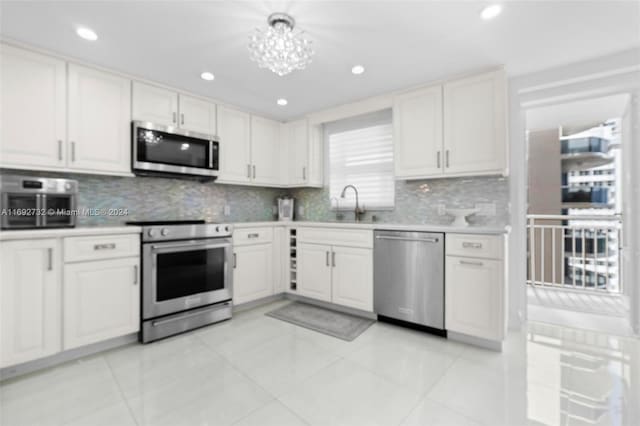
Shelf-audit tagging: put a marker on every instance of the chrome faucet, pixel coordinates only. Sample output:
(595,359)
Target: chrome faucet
(358,211)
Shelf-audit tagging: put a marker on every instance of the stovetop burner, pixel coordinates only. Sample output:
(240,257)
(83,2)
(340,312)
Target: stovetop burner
(165,222)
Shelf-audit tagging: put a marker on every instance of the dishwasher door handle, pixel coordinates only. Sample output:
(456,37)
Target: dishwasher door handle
(419,240)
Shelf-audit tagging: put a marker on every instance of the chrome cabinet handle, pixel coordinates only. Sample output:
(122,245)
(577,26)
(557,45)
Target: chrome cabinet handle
(109,246)
(333,258)
(304,173)
(472,245)
(182,118)
(327,259)
(135,274)
(50,259)
(60,149)
(73,151)
(235,260)
(468,262)
(254,171)
(249,171)
(438,158)
(256,235)
(447,158)
(173,119)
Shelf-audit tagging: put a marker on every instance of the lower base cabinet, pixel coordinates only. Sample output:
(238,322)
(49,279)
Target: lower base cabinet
(314,271)
(29,300)
(101,300)
(252,273)
(475,297)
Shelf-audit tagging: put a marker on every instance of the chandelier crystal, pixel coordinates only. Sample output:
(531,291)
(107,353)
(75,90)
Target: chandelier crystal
(278,47)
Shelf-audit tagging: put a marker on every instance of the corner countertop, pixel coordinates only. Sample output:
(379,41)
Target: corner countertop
(26,234)
(494,230)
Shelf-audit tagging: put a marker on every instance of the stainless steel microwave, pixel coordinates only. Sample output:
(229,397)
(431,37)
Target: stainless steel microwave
(166,150)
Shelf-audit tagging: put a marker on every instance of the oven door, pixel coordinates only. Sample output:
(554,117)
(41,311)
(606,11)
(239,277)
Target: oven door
(21,210)
(59,210)
(182,275)
(162,149)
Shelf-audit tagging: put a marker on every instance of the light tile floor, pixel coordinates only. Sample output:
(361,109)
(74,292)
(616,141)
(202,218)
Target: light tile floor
(256,370)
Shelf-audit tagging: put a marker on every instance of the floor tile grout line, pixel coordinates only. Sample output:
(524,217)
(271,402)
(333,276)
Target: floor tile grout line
(126,401)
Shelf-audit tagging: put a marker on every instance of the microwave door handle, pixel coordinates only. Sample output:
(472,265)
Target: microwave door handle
(211,154)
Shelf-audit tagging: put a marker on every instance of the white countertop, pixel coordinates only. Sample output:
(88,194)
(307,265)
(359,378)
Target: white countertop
(388,226)
(24,234)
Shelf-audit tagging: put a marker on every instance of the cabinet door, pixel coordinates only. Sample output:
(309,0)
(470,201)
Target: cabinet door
(265,150)
(314,271)
(30,302)
(475,125)
(315,159)
(197,115)
(474,301)
(298,150)
(235,145)
(99,121)
(352,277)
(33,108)
(417,138)
(154,104)
(101,300)
(252,273)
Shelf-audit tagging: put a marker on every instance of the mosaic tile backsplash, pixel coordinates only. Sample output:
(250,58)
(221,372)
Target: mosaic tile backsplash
(152,198)
(416,202)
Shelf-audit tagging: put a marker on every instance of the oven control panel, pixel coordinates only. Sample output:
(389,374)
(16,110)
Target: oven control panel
(185,232)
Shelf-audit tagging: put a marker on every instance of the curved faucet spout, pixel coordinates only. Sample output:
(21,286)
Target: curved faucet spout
(358,211)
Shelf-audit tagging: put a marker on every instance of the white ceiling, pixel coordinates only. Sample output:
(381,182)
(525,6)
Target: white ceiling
(401,43)
(588,112)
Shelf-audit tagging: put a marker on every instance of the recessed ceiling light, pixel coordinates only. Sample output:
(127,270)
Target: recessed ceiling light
(207,76)
(87,33)
(491,12)
(282,102)
(357,69)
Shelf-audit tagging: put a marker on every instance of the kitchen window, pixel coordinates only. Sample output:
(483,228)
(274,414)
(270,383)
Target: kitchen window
(361,154)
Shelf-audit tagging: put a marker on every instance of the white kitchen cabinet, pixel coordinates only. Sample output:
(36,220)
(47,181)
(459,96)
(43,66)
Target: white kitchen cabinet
(417,137)
(154,104)
(33,110)
(252,272)
(197,115)
(99,121)
(30,302)
(297,139)
(352,277)
(316,156)
(101,300)
(265,151)
(475,297)
(314,271)
(234,131)
(475,125)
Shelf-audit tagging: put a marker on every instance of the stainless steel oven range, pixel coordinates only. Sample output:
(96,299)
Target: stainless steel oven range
(187,276)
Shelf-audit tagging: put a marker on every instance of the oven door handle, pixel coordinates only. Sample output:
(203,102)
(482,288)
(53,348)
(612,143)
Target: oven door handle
(190,246)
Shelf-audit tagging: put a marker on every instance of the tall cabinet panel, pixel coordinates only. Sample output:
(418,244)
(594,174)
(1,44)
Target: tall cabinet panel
(33,109)
(417,125)
(298,152)
(99,120)
(475,125)
(30,303)
(235,145)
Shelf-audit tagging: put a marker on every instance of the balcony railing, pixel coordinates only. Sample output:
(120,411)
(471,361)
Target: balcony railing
(575,252)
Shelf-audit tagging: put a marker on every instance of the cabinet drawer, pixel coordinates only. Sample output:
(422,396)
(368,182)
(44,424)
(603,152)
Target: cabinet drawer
(246,236)
(483,246)
(101,247)
(336,237)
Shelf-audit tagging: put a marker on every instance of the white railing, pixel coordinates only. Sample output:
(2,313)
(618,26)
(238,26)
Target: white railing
(575,252)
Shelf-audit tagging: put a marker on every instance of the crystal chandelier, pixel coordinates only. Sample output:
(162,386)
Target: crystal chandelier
(278,48)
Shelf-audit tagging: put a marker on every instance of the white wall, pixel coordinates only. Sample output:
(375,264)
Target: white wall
(613,74)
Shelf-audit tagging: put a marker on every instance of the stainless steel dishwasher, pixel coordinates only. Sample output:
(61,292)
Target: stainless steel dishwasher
(408,276)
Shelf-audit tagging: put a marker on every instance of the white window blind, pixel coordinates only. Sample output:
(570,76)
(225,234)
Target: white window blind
(361,154)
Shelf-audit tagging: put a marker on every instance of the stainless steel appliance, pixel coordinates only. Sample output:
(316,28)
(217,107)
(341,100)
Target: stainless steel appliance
(187,276)
(409,278)
(165,150)
(37,202)
(286,210)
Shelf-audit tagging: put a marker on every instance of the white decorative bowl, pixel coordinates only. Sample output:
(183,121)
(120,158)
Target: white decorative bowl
(460,216)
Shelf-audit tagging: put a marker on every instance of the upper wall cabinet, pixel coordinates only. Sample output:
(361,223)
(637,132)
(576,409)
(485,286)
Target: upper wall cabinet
(234,131)
(99,112)
(303,154)
(33,110)
(265,151)
(458,129)
(163,106)
(475,125)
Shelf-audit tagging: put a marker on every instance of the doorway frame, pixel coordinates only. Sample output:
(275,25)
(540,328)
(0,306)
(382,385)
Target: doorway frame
(617,73)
